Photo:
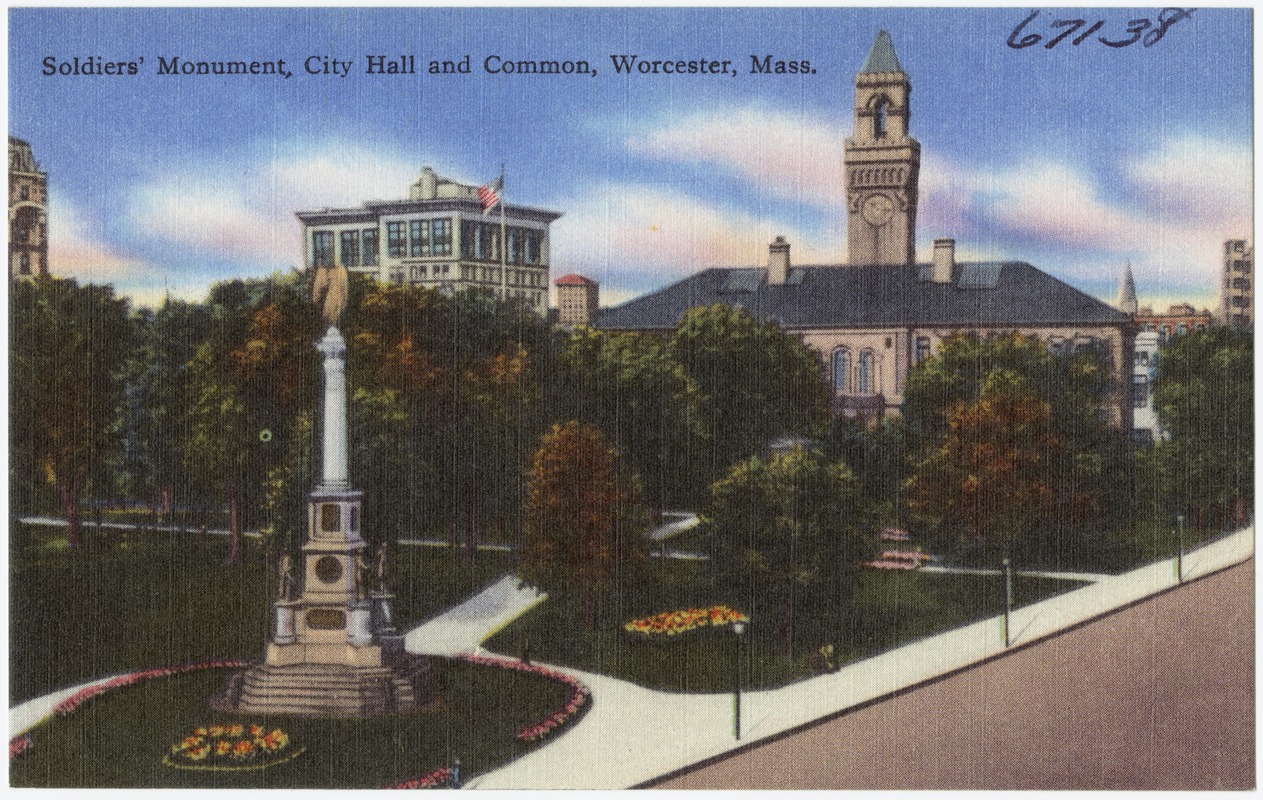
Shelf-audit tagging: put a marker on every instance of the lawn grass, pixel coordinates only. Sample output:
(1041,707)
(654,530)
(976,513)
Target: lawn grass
(166,598)
(888,609)
(118,740)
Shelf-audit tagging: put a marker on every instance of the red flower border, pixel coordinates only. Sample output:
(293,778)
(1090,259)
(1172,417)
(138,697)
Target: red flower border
(579,694)
(438,779)
(21,743)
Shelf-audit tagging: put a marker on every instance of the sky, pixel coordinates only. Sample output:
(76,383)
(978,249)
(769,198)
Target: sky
(1076,158)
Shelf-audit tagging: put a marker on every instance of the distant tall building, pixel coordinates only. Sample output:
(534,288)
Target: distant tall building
(28,213)
(1127,292)
(1236,296)
(577,299)
(882,164)
(438,237)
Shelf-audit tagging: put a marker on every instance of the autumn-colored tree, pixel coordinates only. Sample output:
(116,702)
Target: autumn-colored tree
(1074,385)
(991,475)
(68,344)
(788,529)
(583,523)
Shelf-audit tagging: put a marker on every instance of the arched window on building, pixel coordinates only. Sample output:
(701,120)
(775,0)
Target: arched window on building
(1181,329)
(923,349)
(879,119)
(24,264)
(841,370)
(866,372)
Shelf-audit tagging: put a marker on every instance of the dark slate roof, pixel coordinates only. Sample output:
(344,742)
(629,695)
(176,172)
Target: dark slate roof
(882,57)
(980,294)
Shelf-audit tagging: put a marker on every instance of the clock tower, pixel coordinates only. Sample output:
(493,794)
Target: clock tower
(882,164)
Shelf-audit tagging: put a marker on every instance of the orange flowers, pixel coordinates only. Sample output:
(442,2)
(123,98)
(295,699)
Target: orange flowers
(671,623)
(230,747)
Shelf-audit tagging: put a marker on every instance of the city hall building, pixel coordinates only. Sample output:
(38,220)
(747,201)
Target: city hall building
(874,318)
(439,237)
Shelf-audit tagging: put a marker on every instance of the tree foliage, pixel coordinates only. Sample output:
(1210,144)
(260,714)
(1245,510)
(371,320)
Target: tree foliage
(990,473)
(754,382)
(1204,394)
(638,395)
(584,527)
(67,344)
(787,527)
(1013,376)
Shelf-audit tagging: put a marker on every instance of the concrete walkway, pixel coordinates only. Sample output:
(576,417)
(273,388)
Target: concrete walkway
(632,735)
(674,523)
(462,628)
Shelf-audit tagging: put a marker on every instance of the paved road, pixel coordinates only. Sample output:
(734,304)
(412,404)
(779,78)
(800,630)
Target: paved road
(1159,695)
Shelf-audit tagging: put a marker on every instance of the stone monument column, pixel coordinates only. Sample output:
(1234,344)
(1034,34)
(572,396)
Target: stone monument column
(333,476)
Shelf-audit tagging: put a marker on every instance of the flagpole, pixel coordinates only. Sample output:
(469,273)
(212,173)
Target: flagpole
(504,244)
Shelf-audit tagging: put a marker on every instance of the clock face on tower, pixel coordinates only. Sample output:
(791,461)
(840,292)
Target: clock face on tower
(878,209)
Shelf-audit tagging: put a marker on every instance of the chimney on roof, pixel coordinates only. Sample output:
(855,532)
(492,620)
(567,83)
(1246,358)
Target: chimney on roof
(944,260)
(777,262)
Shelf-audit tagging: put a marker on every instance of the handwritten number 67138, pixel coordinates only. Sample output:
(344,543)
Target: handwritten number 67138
(1142,30)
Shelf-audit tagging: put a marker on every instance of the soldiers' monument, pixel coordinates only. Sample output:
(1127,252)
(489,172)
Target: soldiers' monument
(334,650)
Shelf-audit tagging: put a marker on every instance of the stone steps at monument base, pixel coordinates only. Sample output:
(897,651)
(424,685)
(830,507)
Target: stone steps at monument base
(320,690)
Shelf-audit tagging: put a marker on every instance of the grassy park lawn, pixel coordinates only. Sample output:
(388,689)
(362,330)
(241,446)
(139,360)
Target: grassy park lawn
(166,598)
(120,738)
(889,609)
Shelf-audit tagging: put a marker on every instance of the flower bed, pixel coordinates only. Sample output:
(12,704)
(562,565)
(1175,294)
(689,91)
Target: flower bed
(440,778)
(231,747)
(899,559)
(534,731)
(671,623)
(72,703)
(19,745)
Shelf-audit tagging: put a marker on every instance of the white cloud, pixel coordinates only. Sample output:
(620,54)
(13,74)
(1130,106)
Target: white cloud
(78,247)
(628,233)
(789,156)
(242,206)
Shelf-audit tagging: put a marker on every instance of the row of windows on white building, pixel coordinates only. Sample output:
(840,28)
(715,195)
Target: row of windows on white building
(428,238)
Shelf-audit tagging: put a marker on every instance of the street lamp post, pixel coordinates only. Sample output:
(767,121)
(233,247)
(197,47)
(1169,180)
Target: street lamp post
(1179,549)
(738,628)
(1008,598)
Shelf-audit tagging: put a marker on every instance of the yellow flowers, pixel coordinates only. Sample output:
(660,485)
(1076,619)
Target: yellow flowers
(671,623)
(231,747)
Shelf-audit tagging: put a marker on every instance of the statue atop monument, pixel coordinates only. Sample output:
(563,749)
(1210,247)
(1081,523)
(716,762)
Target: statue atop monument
(329,292)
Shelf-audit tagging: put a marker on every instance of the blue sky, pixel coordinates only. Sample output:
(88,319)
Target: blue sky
(1076,159)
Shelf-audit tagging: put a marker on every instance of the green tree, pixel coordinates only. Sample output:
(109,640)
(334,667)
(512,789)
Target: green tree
(754,382)
(584,526)
(990,474)
(250,381)
(638,394)
(1204,394)
(789,530)
(468,370)
(68,343)
(151,423)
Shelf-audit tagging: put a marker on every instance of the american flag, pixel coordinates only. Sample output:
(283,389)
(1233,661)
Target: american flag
(489,195)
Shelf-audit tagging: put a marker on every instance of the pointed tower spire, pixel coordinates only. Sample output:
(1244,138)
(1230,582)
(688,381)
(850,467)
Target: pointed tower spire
(882,164)
(1127,291)
(882,57)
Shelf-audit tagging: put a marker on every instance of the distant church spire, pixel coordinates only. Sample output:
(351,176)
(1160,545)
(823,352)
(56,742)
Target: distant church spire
(882,163)
(1127,291)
